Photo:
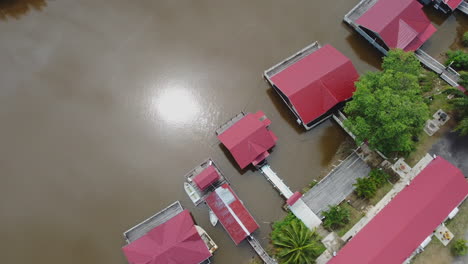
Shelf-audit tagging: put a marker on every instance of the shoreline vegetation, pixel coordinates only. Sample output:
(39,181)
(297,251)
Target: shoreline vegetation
(432,93)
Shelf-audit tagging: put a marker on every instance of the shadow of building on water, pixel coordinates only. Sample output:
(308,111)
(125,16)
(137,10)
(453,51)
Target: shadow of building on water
(17,8)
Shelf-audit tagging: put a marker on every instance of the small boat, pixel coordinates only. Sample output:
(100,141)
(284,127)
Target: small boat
(191,192)
(213,218)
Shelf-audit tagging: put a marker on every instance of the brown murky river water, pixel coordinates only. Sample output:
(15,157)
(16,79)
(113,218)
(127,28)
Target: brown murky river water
(105,105)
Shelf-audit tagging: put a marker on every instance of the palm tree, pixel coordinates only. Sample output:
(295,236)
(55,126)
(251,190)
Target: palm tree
(296,244)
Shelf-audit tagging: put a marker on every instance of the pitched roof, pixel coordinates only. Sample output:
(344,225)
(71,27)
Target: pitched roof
(232,213)
(398,230)
(317,82)
(248,139)
(453,4)
(400,23)
(206,177)
(174,242)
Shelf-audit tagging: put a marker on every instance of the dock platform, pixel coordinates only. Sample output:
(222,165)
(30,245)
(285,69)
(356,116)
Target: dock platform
(261,251)
(158,219)
(463,7)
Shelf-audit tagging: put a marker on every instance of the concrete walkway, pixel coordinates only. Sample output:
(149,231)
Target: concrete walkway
(337,185)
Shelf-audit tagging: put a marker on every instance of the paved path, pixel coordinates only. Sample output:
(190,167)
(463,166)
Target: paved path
(453,148)
(337,185)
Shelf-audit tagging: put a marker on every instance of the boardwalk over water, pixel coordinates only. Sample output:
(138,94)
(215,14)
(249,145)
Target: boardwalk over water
(446,73)
(260,251)
(463,7)
(300,209)
(337,185)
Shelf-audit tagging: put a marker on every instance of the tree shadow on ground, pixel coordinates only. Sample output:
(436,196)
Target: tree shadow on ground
(17,8)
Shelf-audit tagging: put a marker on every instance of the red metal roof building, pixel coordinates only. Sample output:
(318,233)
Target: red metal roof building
(316,84)
(176,241)
(231,212)
(445,6)
(249,139)
(412,216)
(207,177)
(398,23)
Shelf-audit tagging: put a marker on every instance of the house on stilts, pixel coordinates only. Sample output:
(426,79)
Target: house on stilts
(402,24)
(170,236)
(314,83)
(447,6)
(248,138)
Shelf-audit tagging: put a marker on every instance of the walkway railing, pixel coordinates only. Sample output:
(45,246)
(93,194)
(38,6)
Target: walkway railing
(260,251)
(276,181)
(463,7)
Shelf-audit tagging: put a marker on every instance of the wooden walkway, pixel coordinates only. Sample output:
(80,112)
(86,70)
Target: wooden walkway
(260,251)
(446,73)
(463,7)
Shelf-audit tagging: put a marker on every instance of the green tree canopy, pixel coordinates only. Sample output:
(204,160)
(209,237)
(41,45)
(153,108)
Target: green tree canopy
(460,103)
(295,243)
(401,61)
(365,188)
(388,109)
(336,217)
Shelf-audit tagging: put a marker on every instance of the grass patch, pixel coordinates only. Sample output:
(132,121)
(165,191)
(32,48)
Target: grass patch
(354,217)
(381,192)
(425,141)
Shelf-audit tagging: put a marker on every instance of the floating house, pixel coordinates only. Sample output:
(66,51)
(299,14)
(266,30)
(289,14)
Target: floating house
(231,212)
(446,6)
(407,223)
(169,236)
(248,138)
(203,180)
(314,83)
(398,24)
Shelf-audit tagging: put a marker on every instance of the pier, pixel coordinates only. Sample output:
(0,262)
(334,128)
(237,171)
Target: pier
(298,207)
(261,251)
(446,73)
(463,7)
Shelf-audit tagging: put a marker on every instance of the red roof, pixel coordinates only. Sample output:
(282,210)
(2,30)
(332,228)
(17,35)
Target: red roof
(248,139)
(174,242)
(398,230)
(207,177)
(453,4)
(293,199)
(232,213)
(317,82)
(400,23)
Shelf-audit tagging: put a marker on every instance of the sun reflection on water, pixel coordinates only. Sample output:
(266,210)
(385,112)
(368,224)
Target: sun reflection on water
(176,105)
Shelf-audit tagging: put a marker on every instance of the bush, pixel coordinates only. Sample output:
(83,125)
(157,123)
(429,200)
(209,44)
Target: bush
(336,217)
(459,247)
(464,79)
(379,177)
(427,80)
(459,59)
(465,39)
(365,188)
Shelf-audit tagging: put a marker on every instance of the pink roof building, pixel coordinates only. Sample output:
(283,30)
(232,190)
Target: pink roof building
(398,24)
(316,84)
(446,6)
(248,139)
(176,241)
(231,212)
(206,178)
(412,216)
